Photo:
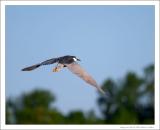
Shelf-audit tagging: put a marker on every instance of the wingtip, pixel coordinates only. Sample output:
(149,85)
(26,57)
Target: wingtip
(101,91)
(105,93)
(24,69)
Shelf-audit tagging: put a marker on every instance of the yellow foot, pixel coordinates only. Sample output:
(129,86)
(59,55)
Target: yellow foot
(55,69)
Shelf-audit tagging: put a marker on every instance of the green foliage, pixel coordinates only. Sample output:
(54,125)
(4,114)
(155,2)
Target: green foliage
(76,117)
(129,101)
(37,98)
(126,104)
(33,108)
(38,115)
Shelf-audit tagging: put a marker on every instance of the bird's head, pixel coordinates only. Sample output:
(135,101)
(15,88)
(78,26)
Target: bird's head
(76,59)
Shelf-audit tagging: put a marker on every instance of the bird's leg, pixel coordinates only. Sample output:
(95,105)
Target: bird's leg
(58,67)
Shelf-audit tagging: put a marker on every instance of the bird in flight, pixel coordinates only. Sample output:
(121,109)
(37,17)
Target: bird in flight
(71,63)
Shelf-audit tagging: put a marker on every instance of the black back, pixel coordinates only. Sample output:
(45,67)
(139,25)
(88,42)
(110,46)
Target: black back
(66,59)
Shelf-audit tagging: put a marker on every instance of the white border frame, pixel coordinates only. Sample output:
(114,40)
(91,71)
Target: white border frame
(157,107)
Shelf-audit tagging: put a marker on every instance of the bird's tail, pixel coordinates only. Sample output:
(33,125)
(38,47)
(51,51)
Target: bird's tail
(31,67)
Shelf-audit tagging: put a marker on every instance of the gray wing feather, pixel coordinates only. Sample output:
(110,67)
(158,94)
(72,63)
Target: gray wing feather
(47,62)
(30,68)
(79,71)
(50,61)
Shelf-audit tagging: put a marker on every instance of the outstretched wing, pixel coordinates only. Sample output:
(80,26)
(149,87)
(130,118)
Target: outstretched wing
(31,67)
(47,62)
(79,71)
(50,61)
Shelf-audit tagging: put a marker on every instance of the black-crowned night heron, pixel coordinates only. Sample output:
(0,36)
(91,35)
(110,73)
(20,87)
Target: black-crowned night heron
(69,62)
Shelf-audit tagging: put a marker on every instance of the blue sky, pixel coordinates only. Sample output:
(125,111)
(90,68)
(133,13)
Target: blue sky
(110,41)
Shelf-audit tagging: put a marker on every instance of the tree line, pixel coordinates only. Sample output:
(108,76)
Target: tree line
(130,100)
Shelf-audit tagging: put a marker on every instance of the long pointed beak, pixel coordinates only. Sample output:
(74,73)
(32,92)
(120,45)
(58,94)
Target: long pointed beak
(78,59)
